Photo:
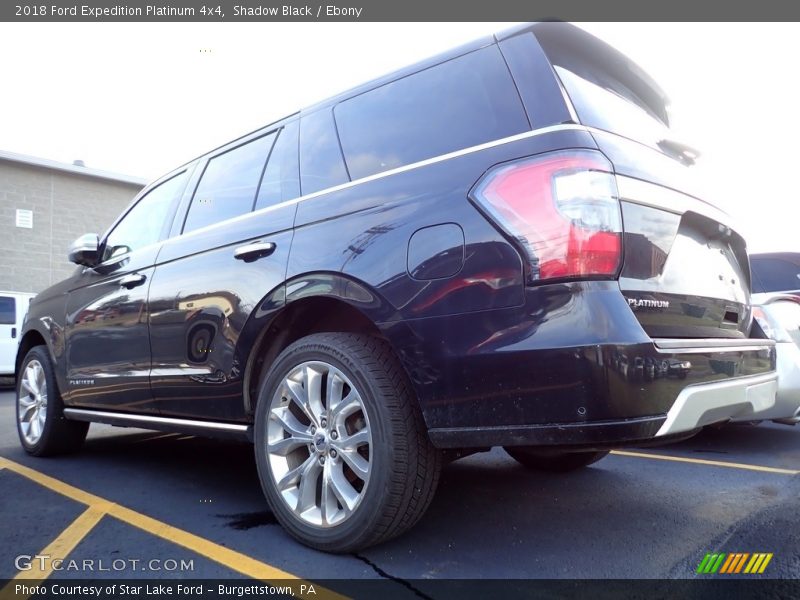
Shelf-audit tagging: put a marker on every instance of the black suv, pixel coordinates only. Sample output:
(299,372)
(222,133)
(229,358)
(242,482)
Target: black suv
(498,246)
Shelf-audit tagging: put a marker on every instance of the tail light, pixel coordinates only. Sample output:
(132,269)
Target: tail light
(563,210)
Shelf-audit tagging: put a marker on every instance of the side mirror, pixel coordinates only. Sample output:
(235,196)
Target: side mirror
(85,250)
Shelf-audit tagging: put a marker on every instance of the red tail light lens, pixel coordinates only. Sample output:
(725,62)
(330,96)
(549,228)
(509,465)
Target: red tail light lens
(563,210)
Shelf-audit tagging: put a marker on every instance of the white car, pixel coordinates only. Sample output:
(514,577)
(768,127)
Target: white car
(13,307)
(779,318)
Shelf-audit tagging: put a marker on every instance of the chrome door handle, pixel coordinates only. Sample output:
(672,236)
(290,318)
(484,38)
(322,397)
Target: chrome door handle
(132,280)
(254,251)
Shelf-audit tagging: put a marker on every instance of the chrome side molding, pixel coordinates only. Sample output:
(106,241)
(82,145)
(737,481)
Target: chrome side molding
(210,428)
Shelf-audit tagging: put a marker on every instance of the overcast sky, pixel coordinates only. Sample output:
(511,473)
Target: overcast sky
(143,98)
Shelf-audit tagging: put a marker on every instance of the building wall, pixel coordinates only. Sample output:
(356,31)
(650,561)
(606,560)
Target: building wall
(64,207)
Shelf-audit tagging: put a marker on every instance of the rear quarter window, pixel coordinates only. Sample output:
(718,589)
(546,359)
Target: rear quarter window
(460,103)
(8,311)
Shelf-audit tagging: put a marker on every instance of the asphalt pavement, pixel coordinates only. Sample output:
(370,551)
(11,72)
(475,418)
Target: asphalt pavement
(649,513)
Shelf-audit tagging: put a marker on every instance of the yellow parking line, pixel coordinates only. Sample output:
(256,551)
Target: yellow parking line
(232,559)
(65,543)
(54,484)
(225,556)
(712,463)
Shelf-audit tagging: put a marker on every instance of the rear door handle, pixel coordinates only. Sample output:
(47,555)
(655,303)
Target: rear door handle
(13,333)
(254,251)
(132,280)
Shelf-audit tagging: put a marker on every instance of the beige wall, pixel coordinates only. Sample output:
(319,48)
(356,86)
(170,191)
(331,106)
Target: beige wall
(64,207)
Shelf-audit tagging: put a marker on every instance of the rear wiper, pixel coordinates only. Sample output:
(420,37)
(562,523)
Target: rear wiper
(686,154)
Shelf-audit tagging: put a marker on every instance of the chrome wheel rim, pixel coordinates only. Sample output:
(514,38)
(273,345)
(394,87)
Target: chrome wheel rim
(32,402)
(319,444)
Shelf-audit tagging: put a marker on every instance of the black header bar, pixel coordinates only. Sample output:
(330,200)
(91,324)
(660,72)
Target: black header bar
(399,10)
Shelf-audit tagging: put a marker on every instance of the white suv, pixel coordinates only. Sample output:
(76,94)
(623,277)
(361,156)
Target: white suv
(13,307)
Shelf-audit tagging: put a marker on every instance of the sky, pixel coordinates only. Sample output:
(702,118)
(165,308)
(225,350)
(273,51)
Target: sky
(141,99)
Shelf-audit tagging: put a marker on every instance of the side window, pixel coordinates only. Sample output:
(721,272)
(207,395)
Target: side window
(776,274)
(755,284)
(463,102)
(281,179)
(321,164)
(142,226)
(8,311)
(228,186)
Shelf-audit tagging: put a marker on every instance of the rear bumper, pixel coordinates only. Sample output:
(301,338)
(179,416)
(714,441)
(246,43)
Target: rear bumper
(573,368)
(738,399)
(653,393)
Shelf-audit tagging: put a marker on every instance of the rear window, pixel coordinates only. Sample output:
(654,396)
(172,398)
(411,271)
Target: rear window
(8,311)
(607,90)
(463,102)
(776,274)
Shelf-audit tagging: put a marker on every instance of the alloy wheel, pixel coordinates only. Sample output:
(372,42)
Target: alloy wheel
(319,444)
(32,402)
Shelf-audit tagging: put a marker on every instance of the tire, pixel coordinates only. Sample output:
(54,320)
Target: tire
(554,463)
(329,489)
(43,430)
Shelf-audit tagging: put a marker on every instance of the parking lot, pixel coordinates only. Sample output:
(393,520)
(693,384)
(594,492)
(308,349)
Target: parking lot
(649,513)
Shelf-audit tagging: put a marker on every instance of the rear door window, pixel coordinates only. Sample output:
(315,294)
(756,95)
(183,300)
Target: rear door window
(460,103)
(8,311)
(321,163)
(228,185)
(281,180)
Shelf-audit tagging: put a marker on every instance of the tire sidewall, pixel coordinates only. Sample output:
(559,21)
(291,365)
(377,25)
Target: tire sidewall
(372,504)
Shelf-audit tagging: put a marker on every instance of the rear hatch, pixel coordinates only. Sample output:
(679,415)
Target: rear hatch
(685,271)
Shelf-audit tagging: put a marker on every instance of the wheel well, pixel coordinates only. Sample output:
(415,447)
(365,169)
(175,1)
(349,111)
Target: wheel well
(299,319)
(30,339)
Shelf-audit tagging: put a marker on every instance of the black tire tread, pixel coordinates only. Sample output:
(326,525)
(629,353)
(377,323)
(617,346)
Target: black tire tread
(60,435)
(412,490)
(417,463)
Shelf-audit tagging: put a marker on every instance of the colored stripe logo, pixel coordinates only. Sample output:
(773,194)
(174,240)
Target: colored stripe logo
(734,562)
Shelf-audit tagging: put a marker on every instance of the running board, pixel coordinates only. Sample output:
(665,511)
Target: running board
(215,429)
